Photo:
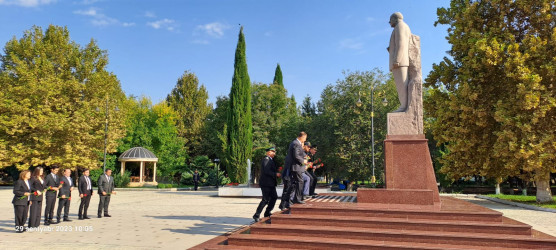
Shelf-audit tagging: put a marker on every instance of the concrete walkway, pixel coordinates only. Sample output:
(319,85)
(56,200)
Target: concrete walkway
(540,220)
(141,220)
(176,220)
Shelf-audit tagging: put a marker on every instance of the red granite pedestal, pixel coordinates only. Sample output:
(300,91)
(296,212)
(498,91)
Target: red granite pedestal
(409,174)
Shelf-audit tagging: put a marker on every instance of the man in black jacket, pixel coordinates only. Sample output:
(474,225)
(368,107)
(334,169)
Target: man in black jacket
(52,181)
(85,192)
(267,182)
(66,184)
(293,170)
(196,179)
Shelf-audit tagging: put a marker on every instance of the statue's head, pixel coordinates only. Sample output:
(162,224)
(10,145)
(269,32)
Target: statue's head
(395,18)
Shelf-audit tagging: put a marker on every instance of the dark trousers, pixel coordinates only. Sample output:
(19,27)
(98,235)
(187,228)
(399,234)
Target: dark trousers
(269,198)
(286,193)
(35,214)
(20,212)
(63,203)
(196,185)
(313,182)
(49,209)
(297,179)
(83,206)
(103,204)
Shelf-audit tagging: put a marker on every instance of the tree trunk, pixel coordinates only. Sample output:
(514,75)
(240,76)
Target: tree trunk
(544,194)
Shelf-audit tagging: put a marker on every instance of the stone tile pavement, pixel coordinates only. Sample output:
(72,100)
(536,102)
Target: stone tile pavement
(141,220)
(170,220)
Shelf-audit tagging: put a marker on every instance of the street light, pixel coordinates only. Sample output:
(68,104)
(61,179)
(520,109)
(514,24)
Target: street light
(106,132)
(217,164)
(359,104)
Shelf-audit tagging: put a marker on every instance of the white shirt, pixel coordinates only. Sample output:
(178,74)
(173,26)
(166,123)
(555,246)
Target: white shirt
(29,187)
(69,180)
(88,183)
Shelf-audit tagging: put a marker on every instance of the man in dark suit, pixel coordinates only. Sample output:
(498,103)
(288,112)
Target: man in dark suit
(85,192)
(105,189)
(52,181)
(66,184)
(267,182)
(294,168)
(196,179)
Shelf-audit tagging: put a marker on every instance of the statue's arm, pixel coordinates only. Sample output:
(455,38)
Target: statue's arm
(402,35)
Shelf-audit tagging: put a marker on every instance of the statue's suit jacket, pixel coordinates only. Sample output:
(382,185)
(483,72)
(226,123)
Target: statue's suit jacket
(399,45)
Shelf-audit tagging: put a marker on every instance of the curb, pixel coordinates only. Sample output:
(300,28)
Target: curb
(511,203)
(166,189)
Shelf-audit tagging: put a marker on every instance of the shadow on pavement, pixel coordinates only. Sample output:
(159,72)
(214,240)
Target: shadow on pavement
(210,225)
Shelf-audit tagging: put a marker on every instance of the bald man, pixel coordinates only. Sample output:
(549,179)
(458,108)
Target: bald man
(399,57)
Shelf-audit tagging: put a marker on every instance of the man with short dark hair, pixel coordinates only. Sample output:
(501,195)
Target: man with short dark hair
(267,183)
(85,192)
(51,182)
(295,159)
(105,189)
(66,186)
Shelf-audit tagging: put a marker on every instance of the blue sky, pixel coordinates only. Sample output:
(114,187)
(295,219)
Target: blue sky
(151,43)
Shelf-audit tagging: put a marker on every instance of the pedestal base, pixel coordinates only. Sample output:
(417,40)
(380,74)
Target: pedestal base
(409,174)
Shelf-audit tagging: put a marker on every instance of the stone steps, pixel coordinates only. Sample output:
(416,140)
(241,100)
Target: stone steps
(363,211)
(319,242)
(510,227)
(393,236)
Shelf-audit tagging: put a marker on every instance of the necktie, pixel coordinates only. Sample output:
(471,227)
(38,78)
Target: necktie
(88,183)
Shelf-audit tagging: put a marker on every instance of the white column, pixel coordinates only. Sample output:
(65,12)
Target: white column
(122,168)
(141,171)
(154,172)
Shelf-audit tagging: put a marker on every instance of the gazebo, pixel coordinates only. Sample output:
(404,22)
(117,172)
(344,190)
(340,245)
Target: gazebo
(142,155)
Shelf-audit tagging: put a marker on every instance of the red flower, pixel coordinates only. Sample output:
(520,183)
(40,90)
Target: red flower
(36,193)
(62,182)
(84,195)
(69,199)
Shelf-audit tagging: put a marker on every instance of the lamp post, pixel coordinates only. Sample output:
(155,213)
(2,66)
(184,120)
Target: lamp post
(106,132)
(217,165)
(359,104)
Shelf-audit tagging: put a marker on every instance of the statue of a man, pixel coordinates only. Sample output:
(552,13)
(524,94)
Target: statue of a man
(399,57)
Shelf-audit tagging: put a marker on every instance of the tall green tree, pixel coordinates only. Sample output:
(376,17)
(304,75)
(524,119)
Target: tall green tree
(494,99)
(308,108)
(278,76)
(55,95)
(154,127)
(342,128)
(214,136)
(189,100)
(239,126)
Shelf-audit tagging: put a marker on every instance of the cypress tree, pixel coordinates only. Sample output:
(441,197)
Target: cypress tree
(239,126)
(278,76)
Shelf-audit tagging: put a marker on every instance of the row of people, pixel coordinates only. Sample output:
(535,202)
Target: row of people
(31,189)
(298,176)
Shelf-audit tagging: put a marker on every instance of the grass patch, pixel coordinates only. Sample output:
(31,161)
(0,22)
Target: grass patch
(529,200)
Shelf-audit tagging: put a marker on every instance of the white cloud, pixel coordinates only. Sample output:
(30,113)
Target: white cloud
(214,29)
(89,2)
(353,44)
(100,19)
(165,23)
(26,3)
(150,14)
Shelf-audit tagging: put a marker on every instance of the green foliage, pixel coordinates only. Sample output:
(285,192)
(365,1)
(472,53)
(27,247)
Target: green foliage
(278,76)
(51,90)
(94,174)
(239,124)
(154,128)
(189,100)
(342,130)
(494,100)
(213,131)
(529,200)
(121,180)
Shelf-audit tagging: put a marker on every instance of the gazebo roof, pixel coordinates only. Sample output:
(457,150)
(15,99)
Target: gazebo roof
(138,154)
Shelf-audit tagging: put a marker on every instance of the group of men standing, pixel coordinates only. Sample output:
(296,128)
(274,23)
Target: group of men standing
(29,191)
(298,176)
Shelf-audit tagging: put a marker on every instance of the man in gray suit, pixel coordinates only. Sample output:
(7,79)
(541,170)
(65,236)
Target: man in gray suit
(105,189)
(295,160)
(399,57)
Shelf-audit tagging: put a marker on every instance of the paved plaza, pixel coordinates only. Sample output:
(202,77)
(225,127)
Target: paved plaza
(176,220)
